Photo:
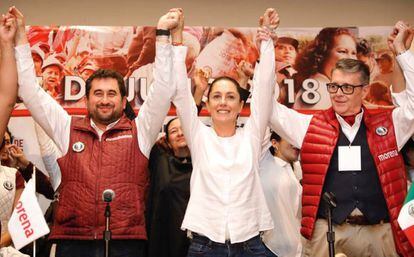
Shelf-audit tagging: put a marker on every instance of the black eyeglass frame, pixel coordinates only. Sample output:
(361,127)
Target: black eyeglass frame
(345,85)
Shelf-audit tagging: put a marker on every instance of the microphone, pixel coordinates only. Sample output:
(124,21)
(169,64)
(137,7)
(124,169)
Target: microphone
(108,195)
(329,198)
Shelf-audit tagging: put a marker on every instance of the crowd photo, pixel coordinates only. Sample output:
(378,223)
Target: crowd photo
(172,140)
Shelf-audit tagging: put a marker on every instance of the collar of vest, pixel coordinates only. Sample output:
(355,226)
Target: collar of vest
(368,116)
(84,124)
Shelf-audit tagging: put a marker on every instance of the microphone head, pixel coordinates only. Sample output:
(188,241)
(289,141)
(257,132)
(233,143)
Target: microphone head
(108,195)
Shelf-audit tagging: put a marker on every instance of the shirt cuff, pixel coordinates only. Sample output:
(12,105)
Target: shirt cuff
(404,59)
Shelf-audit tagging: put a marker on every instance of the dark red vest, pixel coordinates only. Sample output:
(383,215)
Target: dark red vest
(319,144)
(114,162)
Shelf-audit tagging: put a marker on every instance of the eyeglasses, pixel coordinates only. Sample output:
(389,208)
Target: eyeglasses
(346,88)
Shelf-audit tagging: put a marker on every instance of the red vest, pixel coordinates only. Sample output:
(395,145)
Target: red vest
(114,162)
(317,149)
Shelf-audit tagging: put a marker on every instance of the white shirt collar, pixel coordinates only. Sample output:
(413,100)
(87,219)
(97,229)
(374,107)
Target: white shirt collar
(100,131)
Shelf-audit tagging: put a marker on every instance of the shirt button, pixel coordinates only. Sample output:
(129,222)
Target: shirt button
(357,201)
(354,173)
(355,188)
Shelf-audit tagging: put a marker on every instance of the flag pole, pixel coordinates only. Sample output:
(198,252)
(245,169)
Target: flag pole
(34,182)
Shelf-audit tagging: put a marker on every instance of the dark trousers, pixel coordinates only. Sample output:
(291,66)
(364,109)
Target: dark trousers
(202,246)
(96,248)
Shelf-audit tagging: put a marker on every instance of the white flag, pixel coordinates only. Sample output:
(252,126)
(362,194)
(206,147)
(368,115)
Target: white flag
(27,222)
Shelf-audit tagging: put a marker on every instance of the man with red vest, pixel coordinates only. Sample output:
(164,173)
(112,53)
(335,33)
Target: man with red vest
(354,153)
(104,150)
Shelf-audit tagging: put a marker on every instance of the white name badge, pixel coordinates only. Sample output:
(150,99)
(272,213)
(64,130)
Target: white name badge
(349,158)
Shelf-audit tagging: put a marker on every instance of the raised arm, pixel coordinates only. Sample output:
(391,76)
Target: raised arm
(155,108)
(8,70)
(403,116)
(263,79)
(183,100)
(44,109)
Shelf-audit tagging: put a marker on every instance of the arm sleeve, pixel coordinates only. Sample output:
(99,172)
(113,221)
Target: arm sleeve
(183,100)
(44,109)
(155,108)
(403,116)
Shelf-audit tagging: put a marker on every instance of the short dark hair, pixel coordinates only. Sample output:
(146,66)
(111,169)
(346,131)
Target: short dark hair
(106,74)
(239,89)
(276,137)
(354,66)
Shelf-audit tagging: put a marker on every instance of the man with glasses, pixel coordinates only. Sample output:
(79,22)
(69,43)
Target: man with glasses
(353,153)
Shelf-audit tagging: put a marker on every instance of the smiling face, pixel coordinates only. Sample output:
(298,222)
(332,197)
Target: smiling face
(224,103)
(175,139)
(104,102)
(346,105)
(344,47)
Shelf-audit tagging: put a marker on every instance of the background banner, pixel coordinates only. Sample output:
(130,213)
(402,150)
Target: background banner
(65,56)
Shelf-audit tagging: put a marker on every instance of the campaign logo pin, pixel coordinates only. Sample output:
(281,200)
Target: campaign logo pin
(381,131)
(8,185)
(78,147)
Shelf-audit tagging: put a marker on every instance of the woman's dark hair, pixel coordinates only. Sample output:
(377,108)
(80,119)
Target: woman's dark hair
(3,141)
(167,126)
(313,57)
(239,89)
(408,147)
(275,137)
(129,111)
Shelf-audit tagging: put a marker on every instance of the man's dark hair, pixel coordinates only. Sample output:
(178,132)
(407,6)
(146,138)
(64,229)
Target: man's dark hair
(106,74)
(239,89)
(354,66)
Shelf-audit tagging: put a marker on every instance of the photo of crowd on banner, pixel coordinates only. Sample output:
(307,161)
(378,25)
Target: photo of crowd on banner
(66,56)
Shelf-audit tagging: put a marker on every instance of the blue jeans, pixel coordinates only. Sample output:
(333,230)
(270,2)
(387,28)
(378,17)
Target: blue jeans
(269,253)
(95,248)
(203,247)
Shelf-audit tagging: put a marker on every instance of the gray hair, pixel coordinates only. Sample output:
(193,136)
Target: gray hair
(354,66)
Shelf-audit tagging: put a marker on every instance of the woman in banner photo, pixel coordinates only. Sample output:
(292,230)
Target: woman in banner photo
(283,192)
(316,61)
(227,209)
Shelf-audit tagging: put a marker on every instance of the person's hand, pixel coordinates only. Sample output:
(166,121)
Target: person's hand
(400,38)
(17,154)
(20,37)
(245,72)
(271,20)
(8,27)
(177,32)
(201,77)
(169,20)
(263,34)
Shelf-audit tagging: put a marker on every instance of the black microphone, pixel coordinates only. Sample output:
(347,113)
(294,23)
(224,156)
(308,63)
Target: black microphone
(330,199)
(108,195)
